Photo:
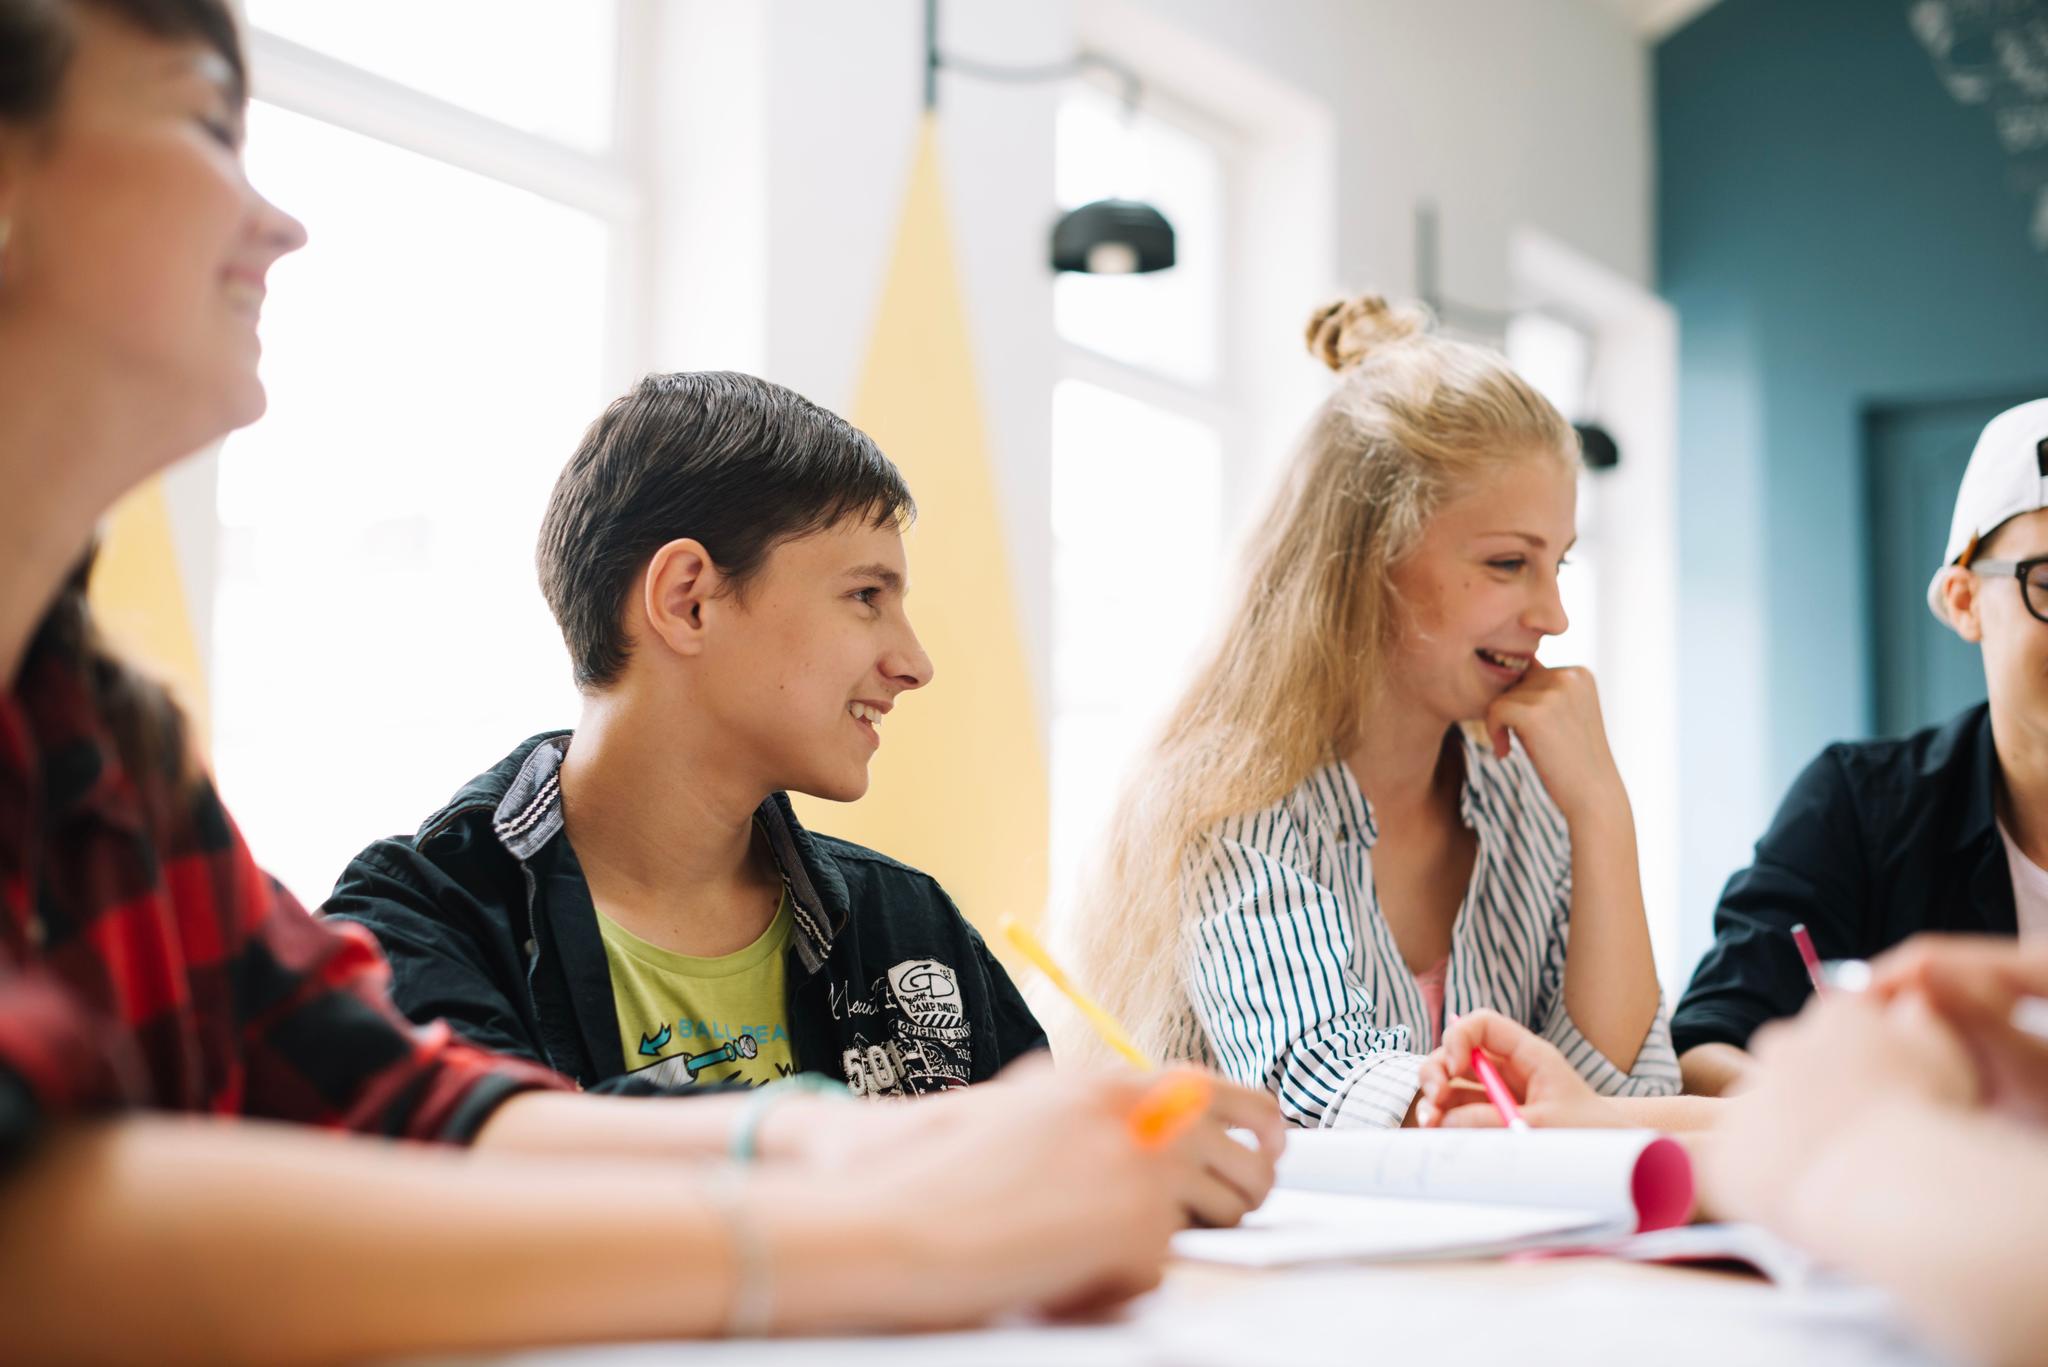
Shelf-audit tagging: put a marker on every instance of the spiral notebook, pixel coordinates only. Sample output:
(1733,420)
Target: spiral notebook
(1345,1195)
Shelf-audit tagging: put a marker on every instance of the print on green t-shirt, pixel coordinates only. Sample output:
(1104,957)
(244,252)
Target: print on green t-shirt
(703,1020)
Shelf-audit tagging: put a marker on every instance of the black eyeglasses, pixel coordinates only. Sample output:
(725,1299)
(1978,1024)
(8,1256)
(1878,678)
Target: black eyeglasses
(2033,577)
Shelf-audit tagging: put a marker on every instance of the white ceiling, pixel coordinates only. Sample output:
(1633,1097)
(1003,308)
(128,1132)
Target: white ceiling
(1655,18)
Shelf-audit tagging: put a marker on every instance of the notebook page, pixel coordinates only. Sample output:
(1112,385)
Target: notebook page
(1751,1245)
(1297,1227)
(1638,1178)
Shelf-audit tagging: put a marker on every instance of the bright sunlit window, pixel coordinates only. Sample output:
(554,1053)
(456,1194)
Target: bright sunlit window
(1141,421)
(1137,529)
(536,65)
(431,358)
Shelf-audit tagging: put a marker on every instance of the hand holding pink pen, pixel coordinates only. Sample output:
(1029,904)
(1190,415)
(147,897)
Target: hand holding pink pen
(1532,1085)
(1497,1091)
(1495,1086)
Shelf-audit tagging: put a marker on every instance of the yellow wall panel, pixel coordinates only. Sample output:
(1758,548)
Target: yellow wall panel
(138,599)
(959,785)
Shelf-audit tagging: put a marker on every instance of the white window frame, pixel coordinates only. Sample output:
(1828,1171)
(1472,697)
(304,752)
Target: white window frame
(1218,403)
(609,184)
(1632,391)
(613,185)
(1279,161)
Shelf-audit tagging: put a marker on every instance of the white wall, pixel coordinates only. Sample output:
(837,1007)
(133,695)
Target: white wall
(1629,518)
(1507,113)
(772,259)
(787,129)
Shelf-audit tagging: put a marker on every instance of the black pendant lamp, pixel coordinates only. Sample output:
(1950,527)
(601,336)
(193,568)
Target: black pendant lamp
(1105,237)
(1597,446)
(1112,237)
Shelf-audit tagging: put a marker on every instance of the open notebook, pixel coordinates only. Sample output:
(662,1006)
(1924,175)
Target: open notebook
(1353,1194)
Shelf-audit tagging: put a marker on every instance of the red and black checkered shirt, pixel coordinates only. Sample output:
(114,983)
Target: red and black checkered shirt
(146,962)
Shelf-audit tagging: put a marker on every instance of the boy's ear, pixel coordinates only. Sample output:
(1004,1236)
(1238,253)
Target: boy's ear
(1959,591)
(679,580)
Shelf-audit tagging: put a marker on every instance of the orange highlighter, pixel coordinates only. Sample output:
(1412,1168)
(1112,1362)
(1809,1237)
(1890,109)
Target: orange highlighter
(1168,1107)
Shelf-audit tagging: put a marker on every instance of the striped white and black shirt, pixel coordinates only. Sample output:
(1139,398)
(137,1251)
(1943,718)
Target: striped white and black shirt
(1293,976)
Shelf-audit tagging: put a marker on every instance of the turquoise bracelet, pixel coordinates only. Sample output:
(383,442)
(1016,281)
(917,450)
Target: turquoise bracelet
(746,1131)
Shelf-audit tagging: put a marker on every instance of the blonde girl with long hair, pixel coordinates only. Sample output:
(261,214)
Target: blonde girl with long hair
(1322,854)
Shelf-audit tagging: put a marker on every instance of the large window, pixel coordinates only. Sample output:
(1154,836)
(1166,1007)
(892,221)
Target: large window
(431,358)
(536,65)
(1143,427)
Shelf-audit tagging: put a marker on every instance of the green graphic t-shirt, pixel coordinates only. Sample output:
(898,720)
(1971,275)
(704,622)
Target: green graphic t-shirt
(702,1020)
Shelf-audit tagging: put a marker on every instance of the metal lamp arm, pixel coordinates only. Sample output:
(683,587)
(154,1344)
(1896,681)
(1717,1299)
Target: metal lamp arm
(937,61)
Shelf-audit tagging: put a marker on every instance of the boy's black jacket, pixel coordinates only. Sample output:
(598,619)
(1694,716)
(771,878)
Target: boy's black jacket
(1876,842)
(488,923)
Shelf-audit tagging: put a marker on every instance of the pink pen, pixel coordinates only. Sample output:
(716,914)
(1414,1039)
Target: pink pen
(1497,1091)
(1810,959)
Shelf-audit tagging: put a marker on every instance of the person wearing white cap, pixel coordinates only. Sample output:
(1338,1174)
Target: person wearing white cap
(1943,830)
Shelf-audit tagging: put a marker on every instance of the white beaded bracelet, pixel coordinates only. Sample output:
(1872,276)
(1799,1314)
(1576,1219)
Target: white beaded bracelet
(751,1313)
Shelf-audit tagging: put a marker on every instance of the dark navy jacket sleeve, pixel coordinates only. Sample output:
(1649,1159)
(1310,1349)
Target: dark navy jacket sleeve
(1811,867)
(450,959)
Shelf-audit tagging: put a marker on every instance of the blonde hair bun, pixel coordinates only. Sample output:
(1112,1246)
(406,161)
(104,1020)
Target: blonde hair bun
(1344,332)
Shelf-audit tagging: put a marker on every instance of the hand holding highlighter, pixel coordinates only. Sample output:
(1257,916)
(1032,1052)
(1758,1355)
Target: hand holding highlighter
(1169,1106)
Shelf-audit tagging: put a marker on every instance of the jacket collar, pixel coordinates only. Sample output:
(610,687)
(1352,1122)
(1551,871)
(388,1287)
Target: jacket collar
(817,892)
(529,814)
(523,793)
(1966,744)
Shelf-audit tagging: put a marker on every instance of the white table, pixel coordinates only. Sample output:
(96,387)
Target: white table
(1576,1311)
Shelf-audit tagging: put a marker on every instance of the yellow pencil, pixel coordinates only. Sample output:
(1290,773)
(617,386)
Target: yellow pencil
(1105,1024)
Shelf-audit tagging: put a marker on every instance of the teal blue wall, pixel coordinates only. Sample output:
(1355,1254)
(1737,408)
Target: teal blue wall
(1834,231)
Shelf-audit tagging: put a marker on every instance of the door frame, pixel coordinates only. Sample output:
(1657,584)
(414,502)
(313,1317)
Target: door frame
(1871,416)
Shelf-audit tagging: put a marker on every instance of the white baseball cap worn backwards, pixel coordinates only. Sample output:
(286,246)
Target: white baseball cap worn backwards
(2007,476)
